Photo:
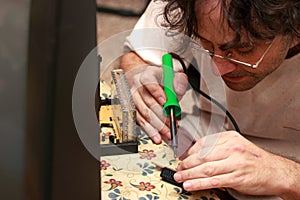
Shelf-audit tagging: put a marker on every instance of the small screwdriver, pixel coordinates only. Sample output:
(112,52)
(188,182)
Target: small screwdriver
(171,107)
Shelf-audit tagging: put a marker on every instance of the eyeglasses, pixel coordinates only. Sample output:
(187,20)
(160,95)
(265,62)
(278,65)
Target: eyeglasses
(227,57)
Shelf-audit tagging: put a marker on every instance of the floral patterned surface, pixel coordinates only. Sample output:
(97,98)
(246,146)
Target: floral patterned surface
(136,177)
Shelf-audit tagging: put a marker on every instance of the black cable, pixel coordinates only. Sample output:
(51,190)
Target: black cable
(211,99)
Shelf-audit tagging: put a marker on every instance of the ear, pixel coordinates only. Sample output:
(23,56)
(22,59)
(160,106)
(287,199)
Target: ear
(294,47)
(294,42)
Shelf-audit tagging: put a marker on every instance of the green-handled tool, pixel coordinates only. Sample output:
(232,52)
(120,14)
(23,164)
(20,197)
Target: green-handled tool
(171,108)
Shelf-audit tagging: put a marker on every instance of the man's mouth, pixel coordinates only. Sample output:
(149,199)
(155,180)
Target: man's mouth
(233,78)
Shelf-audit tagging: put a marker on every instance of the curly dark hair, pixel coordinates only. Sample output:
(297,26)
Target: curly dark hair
(273,17)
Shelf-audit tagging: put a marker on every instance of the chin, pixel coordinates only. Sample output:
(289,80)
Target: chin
(240,86)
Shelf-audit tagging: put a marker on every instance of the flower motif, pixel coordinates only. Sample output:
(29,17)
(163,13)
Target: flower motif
(116,195)
(147,169)
(104,165)
(148,154)
(143,138)
(149,197)
(113,183)
(183,194)
(145,186)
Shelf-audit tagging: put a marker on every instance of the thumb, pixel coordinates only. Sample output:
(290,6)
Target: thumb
(180,84)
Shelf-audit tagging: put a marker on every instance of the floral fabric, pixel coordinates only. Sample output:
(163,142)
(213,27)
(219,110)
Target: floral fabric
(136,176)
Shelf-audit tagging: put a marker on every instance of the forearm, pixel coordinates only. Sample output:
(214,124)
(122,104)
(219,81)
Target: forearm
(131,60)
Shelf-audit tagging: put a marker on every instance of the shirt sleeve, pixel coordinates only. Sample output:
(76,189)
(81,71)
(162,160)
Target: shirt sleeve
(148,38)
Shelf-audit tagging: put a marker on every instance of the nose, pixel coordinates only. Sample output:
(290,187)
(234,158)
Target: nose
(222,66)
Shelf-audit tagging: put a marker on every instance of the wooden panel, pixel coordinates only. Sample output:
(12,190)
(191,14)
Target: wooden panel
(62,32)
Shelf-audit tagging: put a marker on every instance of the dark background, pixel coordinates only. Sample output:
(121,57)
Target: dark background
(57,166)
(42,45)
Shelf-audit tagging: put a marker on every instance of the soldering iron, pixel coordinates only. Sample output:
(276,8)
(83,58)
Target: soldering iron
(171,108)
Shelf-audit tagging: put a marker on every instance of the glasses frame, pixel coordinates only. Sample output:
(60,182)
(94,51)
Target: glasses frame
(253,66)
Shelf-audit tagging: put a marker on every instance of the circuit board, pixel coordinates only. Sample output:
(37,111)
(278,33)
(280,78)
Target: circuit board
(117,115)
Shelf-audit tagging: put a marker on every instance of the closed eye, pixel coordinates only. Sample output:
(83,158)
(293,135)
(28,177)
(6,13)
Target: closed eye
(244,48)
(244,51)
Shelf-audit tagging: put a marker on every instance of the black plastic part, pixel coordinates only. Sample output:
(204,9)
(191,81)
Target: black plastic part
(119,149)
(167,175)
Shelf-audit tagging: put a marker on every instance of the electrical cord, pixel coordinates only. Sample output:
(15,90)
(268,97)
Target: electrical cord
(197,89)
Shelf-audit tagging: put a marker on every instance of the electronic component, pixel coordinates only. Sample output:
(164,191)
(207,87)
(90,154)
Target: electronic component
(168,176)
(127,125)
(117,116)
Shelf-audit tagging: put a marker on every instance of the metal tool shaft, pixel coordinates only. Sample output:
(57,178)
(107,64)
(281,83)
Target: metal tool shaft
(173,128)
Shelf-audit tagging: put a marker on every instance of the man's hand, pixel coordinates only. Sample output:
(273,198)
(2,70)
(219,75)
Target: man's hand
(146,82)
(228,160)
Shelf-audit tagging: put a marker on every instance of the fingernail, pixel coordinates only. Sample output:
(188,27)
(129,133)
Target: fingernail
(187,185)
(161,100)
(178,177)
(156,139)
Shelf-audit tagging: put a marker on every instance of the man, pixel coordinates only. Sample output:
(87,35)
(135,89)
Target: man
(254,45)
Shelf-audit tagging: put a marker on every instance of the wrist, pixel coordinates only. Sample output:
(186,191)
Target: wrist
(290,187)
(131,60)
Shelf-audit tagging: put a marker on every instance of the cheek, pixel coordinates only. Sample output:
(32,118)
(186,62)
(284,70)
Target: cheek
(273,61)
(224,67)
(277,59)
(268,68)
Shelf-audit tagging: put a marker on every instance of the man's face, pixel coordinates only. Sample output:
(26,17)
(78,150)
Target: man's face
(215,32)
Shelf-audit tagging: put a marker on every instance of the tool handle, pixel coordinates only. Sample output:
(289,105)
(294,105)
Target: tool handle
(171,100)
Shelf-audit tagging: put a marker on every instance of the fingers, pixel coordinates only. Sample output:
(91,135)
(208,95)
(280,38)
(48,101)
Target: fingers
(209,143)
(149,97)
(206,170)
(205,145)
(150,79)
(150,130)
(228,162)
(148,116)
(213,148)
(215,174)
(234,162)
(197,159)
(220,181)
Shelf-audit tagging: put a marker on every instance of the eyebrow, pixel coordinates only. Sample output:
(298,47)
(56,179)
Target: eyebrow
(230,44)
